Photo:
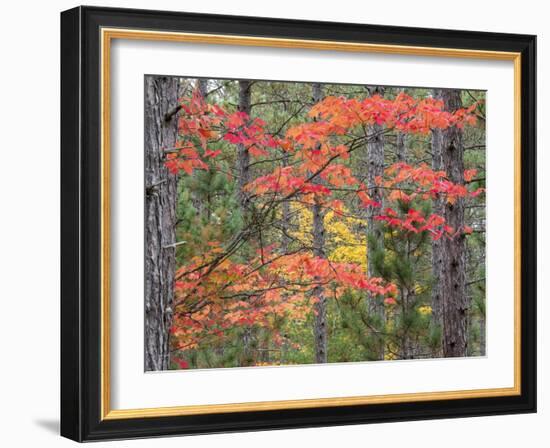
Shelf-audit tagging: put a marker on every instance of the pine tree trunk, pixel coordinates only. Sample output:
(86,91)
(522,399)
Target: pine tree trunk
(202,87)
(407,344)
(243,157)
(409,350)
(401,143)
(320,330)
(437,251)
(375,168)
(243,173)
(401,147)
(454,299)
(160,218)
(285,224)
(321,337)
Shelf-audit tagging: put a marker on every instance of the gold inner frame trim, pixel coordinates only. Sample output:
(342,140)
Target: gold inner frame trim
(107,35)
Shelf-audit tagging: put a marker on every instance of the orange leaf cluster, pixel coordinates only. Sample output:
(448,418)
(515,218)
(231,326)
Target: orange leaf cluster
(403,113)
(212,301)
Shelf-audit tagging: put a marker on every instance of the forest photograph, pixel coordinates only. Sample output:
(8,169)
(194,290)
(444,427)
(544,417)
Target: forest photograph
(291,223)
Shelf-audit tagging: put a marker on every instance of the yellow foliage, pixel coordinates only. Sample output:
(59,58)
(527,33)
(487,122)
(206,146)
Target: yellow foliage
(303,220)
(426,309)
(344,243)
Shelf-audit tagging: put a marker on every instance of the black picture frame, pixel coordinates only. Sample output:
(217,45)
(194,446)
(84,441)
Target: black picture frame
(81,224)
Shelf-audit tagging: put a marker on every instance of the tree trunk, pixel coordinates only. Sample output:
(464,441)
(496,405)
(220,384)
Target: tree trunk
(407,343)
(202,87)
(243,173)
(285,224)
(160,218)
(243,157)
(401,143)
(375,168)
(454,299)
(321,337)
(438,207)
(320,330)
(401,147)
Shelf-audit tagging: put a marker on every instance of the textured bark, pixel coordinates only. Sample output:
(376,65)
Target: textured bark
(401,147)
(243,157)
(202,87)
(321,337)
(243,173)
(437,250)
(375,167)
(285,224)
(401,143)
(454,299)
(160,218)
(407,344)
(320,330)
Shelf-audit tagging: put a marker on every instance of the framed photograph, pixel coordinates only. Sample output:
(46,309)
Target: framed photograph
(271,223)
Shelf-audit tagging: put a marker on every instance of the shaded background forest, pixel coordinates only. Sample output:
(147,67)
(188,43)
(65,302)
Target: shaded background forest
(245,266)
